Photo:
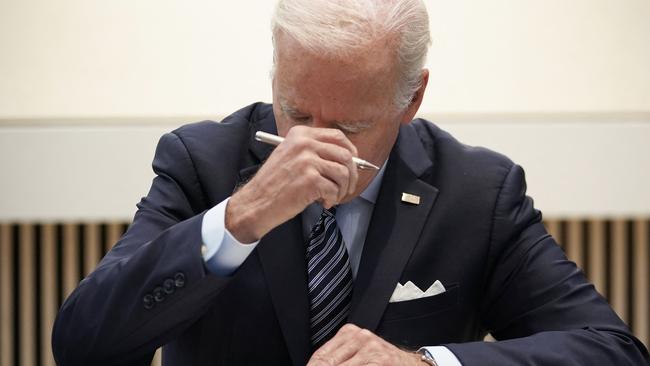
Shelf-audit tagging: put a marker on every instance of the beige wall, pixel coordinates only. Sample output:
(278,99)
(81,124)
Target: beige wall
(70,58)
(87,87)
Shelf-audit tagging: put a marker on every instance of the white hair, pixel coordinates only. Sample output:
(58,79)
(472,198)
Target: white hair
(338,27)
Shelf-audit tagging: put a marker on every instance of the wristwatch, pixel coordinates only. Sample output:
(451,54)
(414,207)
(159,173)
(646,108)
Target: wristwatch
(426,356)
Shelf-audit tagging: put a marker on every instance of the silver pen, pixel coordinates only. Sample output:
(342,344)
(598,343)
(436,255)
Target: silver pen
(276,140)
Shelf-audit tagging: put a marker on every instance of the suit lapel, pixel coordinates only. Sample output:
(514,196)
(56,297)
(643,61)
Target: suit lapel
(282,254)
(394,228)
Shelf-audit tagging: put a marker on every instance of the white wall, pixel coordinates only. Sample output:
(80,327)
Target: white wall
(101,171)
(87,87)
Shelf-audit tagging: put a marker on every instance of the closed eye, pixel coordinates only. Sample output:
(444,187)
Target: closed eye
(301,119)
(353,127)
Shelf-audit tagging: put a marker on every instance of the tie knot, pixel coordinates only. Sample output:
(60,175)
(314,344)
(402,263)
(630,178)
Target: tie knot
(330,212)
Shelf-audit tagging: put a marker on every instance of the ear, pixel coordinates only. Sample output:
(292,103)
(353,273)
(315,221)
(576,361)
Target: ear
(416,101)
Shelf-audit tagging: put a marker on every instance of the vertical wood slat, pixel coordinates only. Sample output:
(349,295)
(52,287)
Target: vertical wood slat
(641,307)
(48,291)
(574,242)
(93,250)
(597,256)
(554,228)
(27,311)
(113,234)
(70,261)
(618,296)
(6,296)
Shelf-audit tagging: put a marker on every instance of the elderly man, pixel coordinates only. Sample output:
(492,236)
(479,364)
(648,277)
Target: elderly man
(244,254)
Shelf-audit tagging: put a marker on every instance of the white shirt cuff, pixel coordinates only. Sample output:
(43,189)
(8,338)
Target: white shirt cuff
(443,356)
(223,253)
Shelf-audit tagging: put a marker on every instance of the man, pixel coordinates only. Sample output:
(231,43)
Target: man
(245,254)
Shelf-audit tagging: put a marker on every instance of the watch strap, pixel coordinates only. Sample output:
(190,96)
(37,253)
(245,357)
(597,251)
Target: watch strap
(426,356)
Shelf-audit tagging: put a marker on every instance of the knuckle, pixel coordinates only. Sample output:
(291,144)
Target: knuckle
(293,131)
(311,176)
(328,193)
(306,160)
(354,150)
(337,134)
(344,171)
(346,155)
(298,129)
(349,327)
(300,142)
(365,332)
(319,355)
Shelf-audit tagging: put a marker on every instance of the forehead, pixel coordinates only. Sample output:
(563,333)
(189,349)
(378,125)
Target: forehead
(363,82)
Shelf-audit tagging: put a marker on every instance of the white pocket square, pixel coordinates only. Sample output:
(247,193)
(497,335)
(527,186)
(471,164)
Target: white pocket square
(409,291)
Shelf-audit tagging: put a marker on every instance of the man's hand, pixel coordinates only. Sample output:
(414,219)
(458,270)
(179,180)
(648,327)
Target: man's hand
(312,164)
(355,346)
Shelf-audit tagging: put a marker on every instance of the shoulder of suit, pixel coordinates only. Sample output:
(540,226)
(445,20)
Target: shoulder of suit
(239,123)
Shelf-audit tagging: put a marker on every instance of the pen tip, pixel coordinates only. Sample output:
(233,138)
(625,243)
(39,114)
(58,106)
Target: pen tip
(369,165)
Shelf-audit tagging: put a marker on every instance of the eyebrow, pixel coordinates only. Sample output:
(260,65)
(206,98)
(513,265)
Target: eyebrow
(288,109)
(353,126)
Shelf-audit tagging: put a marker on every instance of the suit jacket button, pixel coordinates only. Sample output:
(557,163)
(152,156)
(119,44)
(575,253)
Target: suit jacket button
(168,286)
(158,294)
(148,301)
(179,279)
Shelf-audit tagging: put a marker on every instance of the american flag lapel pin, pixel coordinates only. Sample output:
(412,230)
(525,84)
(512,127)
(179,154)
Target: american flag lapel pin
(410,198)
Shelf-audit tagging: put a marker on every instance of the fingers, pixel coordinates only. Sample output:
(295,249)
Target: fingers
(311,165)
(356,346)
(342,156)
(337,174)
(335,154)
(323,190)
(338,349)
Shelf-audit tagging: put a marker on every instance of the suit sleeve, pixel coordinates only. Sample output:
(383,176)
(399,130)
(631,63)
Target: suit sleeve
(537,303)
(152,285)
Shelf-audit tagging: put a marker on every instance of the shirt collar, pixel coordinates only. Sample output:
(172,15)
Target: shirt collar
(371,192)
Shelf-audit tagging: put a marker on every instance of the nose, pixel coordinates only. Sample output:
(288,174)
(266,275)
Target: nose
(317,122)
(321,123)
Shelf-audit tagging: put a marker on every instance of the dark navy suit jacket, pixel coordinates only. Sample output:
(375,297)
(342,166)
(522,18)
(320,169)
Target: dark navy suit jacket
(474,230)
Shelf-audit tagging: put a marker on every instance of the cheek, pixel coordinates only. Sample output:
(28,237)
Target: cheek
(283,128)
(281,123)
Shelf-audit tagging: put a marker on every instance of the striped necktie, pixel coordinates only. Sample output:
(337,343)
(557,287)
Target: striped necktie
(330,279)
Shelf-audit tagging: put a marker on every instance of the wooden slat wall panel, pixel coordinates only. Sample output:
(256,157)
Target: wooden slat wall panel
(618,295)
(6,296)
(597,256)
(27,292)
(553,228)
(93,247)
(641,325)
(54,257)
(574,242)
(70,258)
(114,233)
(49,293)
